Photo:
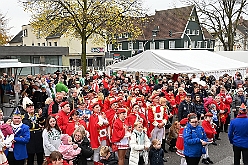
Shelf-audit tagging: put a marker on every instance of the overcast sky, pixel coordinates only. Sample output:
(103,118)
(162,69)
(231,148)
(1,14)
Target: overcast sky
(17,17)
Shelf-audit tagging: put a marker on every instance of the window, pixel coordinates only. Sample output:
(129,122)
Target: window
(25,32)
(55,44)
(193,32)
(152,45)
(119,46)
(205,44)
(198,32)
(130,46)
(186,44)
(43,44)
(192,18)
(212,44)
(38,44)
(50,43)
(125,35)
(141,46)
(110,47)
(192,44)
(120,35)
(198,44)
(161,45)
(188,31)
(172,44)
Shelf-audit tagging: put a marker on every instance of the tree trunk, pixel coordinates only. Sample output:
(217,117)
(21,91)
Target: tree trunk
(83,55)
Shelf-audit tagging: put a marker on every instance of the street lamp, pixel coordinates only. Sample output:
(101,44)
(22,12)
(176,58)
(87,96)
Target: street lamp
(154,34)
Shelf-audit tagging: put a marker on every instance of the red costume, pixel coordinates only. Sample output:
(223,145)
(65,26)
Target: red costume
(180,142)
(222,116)
(97,130)
(107,102)
(71,126)
(172,101)
(209,130)
(156,115)
(62,120)
(118,131)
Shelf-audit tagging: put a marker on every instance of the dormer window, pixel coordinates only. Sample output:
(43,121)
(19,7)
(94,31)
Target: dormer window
(188,31)
(192,18)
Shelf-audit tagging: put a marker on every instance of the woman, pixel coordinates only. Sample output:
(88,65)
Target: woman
(121,135)
(180,96)
(74,122)
(199,107)
(79,138)
(98,129)
(172,137)
(194,140)
(51,136)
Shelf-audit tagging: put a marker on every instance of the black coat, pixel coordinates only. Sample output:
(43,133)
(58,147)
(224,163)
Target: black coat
(81,159)
(112,160)
(156,156)
(184,109)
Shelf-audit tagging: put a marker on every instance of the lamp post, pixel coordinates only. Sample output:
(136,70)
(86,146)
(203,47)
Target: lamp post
(171,33)
(154,34)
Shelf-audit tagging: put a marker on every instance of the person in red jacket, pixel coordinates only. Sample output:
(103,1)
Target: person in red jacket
(98,129)
(180,141)
(223,112)
(136,116)
(180,96)
(74,122)
(158,118)
(111,112)
(63,116)
(226,98)
(121,135)
(210,132)
(112,95)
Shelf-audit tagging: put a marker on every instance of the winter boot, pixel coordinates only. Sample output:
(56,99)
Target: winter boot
(204,161)
(210,161)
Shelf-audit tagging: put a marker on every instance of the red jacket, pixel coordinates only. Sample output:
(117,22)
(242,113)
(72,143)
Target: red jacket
(118,131)
(180,98)
(71,126)
(227,100)
(156,114)
(62,120)
(111,116)
(209,130)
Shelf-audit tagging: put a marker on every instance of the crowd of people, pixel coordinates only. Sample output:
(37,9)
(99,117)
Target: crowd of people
(69,119)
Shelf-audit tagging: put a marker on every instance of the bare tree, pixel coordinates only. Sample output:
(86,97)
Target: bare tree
(221,17)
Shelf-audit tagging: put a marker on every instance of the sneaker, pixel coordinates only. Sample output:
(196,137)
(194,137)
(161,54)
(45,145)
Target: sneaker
(210,161)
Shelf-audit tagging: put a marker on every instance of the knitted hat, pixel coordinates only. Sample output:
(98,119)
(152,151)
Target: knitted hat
(64,139)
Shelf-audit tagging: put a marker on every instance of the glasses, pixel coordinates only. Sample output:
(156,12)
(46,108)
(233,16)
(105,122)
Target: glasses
(195,122)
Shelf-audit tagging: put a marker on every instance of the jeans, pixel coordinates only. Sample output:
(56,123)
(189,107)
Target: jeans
(237,155)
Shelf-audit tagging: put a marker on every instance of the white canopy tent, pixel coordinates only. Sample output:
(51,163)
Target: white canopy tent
(179,61)
(235,55)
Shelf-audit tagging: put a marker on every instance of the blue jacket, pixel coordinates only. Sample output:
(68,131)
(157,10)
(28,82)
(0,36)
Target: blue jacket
(22,138)
(238,132)
(192,144)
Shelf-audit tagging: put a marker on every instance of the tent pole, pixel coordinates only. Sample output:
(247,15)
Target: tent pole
(16,83)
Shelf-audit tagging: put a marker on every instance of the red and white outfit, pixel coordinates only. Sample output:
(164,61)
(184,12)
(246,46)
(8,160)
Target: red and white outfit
(156,115)
(120,136)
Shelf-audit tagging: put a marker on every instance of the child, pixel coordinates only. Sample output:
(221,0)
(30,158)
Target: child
(3,159)
(179,143)
(55,158)
(156,153)
(7,131)
(215,119)
(68,149)
(139,145)
(172,137)
(107,157)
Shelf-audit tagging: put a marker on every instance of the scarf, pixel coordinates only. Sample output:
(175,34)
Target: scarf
(16,128)
(140,137)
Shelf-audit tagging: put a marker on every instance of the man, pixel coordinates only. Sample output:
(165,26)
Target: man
(63,116)
(238,99)
(61,86)
(36,122)
(185,107)
(54,106)
(159,85)
(238,136)
(18,152)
